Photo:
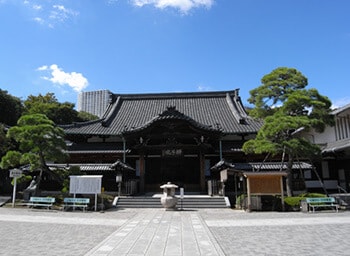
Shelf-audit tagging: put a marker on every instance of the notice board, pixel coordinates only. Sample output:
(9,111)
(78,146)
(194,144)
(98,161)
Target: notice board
(86,184)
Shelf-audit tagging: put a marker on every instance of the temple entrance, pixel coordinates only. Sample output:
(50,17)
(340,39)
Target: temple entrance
(173,170)
(182,171)
(171,148)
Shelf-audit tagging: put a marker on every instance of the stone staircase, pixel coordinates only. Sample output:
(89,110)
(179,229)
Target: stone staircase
(4,200)
(343,199)
(192,202)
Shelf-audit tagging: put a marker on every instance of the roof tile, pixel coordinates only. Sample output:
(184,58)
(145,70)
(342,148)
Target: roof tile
(211,109)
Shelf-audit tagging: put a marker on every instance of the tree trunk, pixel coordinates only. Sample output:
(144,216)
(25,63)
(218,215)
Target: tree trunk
(289,179)
(45,168)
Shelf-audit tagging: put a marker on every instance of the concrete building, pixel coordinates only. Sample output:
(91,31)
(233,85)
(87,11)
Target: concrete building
(94,102)
(336,150)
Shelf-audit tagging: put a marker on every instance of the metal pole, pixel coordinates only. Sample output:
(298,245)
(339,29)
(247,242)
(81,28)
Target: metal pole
(95,202)
(14,192)
(220,149)
(119,188)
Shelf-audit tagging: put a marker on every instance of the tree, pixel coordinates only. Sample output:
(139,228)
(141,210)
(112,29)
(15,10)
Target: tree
(4,142)
(60,113)
(85,116)
(39,141)
(287,108)
(10,108)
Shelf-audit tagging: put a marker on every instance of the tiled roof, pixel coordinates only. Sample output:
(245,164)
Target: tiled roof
(119,165)
(127,112)
(341,109)
(89,167)
(270,166)
(337,146)
(96,148)
(173,114)
(259,166)
(83,167)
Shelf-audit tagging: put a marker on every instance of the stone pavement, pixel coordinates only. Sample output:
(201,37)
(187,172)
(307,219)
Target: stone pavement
(160,232)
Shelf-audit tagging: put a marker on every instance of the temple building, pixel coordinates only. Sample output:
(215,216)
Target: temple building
(174,137)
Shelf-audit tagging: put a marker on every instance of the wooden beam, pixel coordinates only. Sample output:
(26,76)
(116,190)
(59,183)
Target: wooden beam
(142,173)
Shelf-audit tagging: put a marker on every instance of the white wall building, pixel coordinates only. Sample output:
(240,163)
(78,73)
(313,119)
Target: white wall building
(335,145)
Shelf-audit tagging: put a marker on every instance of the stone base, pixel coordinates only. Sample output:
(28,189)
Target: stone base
(168,202)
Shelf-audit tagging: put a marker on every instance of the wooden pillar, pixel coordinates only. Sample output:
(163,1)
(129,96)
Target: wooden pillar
(124,150)
(142,173)
(249,195)
(282,193)
(202,171)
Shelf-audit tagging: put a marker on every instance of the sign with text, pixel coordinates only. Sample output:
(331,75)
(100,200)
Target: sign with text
(86,184)
(15,173)
(223,175)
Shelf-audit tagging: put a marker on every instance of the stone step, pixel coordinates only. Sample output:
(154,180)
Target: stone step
(187,202)
(343,199)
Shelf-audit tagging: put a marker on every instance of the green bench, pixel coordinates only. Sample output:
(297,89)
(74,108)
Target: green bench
(322,202)
(35,201)
(70,202)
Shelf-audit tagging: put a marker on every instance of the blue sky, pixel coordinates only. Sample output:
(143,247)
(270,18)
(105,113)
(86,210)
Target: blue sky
(142,46)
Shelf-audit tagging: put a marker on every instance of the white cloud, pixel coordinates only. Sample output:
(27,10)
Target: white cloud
(203,88)
(183,5)
(39,20)
(112,1)
(73,79)
(47,13)
(338,103)
(42,68)
(61,13)
(37,7)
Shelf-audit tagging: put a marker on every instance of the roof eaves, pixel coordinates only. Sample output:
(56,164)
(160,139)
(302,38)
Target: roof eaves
(341,109)
(79,124)
(173,95)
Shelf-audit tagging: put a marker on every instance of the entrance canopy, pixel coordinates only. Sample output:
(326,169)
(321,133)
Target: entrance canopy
(261,178)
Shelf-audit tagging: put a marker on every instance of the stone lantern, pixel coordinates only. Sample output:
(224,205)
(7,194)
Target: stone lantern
(168,199)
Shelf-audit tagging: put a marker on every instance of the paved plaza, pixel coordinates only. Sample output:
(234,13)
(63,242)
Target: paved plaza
(158,232)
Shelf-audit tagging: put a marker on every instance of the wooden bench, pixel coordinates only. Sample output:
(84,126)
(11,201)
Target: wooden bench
(35,201)
(76,203)
(322,202)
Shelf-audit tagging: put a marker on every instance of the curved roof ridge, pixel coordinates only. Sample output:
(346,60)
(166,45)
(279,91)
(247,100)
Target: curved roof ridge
(235,109)
(174,95)
(109,115)
(239,104)
(172,113)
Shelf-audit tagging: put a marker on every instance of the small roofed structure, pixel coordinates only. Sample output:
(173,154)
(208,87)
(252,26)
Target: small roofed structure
(264,183)
(258,183)
(260,178)
(119,165)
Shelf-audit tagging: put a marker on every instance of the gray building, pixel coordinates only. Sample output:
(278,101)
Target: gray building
(94,102)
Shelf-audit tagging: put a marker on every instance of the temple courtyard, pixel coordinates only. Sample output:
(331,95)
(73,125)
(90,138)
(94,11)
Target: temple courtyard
(190,232)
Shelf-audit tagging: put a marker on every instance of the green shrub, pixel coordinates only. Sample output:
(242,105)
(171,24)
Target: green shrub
(22,179)
(240,199)
(294,201)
